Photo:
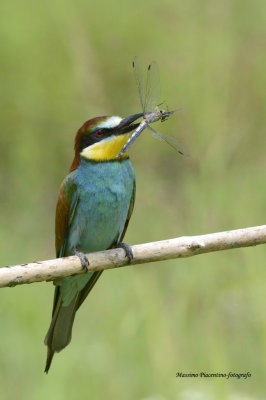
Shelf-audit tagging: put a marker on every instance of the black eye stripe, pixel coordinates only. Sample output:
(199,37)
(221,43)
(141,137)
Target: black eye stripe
(86,141)
(94,137)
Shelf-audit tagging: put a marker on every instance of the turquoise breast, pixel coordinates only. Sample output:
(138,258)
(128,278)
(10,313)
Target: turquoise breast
(104,193)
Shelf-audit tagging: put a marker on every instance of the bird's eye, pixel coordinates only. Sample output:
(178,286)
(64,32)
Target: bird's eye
(99,133)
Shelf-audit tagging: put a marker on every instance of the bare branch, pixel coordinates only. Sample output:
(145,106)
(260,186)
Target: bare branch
(185,246)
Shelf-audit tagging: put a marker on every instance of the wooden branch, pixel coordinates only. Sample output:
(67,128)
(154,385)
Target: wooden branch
(185,246)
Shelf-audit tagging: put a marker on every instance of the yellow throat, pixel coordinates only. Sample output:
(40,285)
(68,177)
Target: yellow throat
(107,149)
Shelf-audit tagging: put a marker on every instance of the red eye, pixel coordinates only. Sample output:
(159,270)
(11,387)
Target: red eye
(99,133)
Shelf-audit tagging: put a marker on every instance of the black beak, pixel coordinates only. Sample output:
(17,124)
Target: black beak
(126,125)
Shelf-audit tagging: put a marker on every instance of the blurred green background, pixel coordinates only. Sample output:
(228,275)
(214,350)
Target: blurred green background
(63,62)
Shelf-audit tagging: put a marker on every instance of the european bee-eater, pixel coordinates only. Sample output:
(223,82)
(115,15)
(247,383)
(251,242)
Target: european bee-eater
(94,206)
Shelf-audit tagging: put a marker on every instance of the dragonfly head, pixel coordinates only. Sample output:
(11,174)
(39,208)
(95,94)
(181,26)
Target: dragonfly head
(164,115)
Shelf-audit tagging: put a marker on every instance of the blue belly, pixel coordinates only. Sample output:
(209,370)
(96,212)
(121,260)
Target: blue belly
(105,190)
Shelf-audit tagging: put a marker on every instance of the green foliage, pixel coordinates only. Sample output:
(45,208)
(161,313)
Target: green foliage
(63,62)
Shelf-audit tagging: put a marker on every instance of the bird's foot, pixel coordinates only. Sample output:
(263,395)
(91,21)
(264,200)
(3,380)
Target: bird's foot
(128,250)
(83,258)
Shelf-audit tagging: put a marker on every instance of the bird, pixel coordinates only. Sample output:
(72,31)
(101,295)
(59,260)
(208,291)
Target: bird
(94,206)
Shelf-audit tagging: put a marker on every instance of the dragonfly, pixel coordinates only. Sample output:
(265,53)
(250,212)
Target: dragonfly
(149,94)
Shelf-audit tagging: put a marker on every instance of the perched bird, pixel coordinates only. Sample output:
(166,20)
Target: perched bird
(94,206)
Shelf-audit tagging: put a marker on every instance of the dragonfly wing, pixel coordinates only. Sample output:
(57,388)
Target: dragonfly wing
(152,90)
(139,76)
(156,135)
(171,140)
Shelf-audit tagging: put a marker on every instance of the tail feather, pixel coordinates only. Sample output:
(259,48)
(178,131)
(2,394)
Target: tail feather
(50,354)
(60,330)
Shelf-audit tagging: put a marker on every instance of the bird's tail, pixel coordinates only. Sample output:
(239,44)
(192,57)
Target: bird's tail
(60,330)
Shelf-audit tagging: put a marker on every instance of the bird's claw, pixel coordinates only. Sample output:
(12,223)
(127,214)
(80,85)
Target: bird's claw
(128,250)
(83,259)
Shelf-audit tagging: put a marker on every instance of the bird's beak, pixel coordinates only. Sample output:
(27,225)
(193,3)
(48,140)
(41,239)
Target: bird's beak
(126,124)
